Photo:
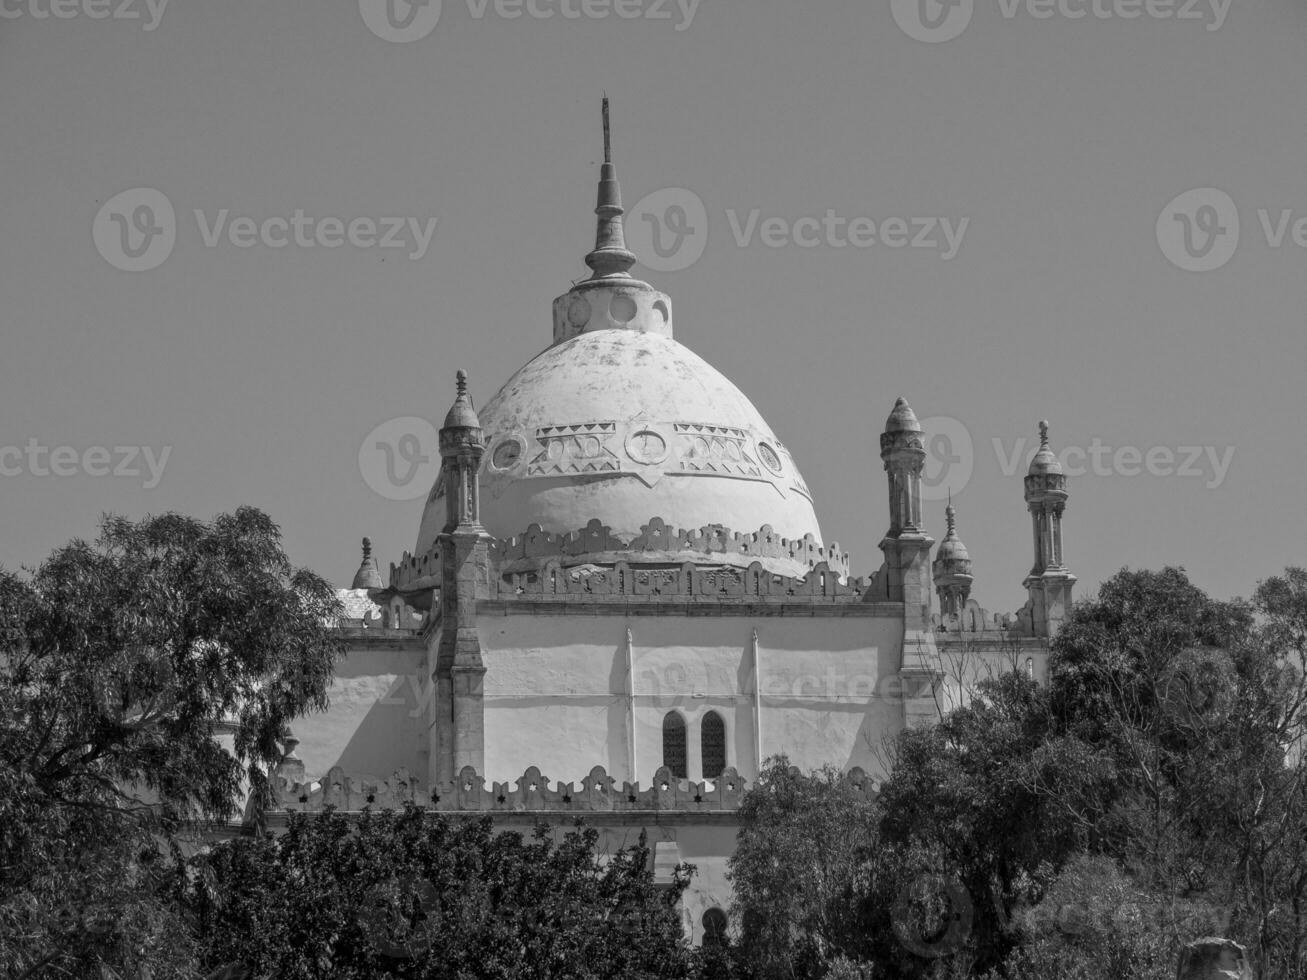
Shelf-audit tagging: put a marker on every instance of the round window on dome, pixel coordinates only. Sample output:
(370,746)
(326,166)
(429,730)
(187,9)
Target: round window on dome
(769,457)
(646,447)
(507,454)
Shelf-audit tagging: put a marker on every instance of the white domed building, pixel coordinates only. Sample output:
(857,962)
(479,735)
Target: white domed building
(621,602)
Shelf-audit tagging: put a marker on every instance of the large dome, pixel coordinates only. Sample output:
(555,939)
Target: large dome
(625,425)
(619,423)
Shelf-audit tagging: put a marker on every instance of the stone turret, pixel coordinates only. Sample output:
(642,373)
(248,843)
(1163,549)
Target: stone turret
(1049,582)
(906,572)
(952,569)
(458,736)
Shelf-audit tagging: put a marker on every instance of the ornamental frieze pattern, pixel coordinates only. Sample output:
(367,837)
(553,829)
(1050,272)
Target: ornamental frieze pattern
(645,449)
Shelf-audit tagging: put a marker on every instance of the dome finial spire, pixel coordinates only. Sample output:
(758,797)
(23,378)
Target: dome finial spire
(608,134)
(610,257)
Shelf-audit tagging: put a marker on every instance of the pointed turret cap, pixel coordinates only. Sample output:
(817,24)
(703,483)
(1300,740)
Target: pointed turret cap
(952,548)
(1044,461)
(367,577)
(462,415)
(902,419)
(610,259)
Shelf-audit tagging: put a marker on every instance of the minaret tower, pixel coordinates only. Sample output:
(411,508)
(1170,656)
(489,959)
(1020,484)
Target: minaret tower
(458,735)
(952,569)
(904,457)
(1049,582)
(906,571)
(610,299)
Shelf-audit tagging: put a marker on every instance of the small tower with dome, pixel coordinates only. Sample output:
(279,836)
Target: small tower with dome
(952,568)
(1049,582)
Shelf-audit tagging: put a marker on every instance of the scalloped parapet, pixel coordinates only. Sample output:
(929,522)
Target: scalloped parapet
(657,543)
(974,619)
(342,790)
(415,573)
(598,792)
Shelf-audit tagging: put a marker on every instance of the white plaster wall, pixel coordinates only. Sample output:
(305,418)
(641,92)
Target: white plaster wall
(557,691)
(554,696)
(376,719)
(966,665)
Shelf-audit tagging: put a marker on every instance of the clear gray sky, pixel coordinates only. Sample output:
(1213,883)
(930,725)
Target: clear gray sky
(1061,139)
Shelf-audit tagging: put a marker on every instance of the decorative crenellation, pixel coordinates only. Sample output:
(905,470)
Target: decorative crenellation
(656,542)
(686,581)
(416,571)
(597,792)
(974,619)
(657,537)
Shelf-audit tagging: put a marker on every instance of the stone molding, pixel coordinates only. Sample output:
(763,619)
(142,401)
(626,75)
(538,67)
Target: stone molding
(688,581)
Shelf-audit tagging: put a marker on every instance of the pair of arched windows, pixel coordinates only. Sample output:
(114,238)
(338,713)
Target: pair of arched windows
(712,745)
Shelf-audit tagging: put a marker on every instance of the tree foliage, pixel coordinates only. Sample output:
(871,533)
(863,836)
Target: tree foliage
(123,664)
(1155,790)
(414,894)
(800,867)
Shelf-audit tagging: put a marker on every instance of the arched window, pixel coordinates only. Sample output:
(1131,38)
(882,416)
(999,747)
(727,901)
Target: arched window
(714,926)
(712,740)
(674,744)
